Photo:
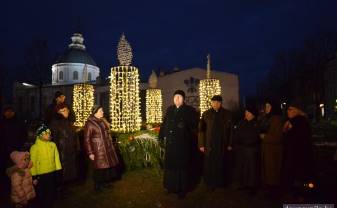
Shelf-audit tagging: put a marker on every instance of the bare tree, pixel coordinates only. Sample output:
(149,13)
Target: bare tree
(38,65)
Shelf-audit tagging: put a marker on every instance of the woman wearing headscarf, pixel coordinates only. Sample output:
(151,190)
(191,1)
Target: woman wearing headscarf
(247,151)
(298,163)
(99,148)
(271,136)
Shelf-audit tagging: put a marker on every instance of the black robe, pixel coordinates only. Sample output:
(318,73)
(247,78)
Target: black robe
(215,136)
(298,164)
(247,154)
(178,130)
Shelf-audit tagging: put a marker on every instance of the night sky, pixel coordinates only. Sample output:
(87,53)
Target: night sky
(241,36)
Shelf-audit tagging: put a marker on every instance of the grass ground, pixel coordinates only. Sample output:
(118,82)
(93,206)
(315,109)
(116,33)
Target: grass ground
(143,188)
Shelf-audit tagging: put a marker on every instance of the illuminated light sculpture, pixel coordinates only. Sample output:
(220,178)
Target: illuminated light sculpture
(83,100)
(154,101)
(208,88)
(124,92)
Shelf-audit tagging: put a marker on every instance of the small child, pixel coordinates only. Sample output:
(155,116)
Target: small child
(46,160)
(22,190)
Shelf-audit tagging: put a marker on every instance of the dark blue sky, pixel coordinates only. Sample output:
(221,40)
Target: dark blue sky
(241,36)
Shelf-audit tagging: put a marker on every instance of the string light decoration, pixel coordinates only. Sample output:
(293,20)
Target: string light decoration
(208,88)
(153,101)
(83,99)
(124,92)
(124,52)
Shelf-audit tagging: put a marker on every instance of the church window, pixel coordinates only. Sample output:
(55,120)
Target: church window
(75,75)
(89,76)
(61,75)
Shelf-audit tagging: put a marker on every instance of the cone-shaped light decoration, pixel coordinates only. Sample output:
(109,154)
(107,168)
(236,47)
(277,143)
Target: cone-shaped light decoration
(124,52)
(124,92)
(153,101)
(83,99)
(208,88)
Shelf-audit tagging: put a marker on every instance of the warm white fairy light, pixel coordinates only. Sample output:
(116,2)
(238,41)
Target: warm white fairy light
(83,101)
(208,88)
(153,106)
(124,99)
(124,52)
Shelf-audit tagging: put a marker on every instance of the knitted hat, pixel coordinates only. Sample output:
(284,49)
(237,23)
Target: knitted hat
(217,98)
(43,128)
(179,92)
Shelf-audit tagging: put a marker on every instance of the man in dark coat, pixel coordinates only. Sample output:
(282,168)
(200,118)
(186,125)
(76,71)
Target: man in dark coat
(50,113)
(214,141)
(178,130)
(66,139)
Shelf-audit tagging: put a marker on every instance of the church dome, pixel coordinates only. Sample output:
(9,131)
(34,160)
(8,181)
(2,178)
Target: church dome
(76,52)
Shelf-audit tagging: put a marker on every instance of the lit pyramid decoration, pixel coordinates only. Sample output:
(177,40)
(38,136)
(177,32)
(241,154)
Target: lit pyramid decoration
(83,99)
(208,88)
(154,101)
(124,91)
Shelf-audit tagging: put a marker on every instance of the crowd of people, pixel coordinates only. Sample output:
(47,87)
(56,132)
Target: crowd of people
(264,150)
(33,174)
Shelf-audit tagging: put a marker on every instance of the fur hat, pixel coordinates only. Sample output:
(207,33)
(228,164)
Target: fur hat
(179,92)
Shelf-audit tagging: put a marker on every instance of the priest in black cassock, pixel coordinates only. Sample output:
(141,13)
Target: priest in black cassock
(178,130)
(214,140)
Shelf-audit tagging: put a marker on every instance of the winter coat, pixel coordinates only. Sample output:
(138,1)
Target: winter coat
(178,130)
(22,189)
(45,157)
(206,129)
(271,151)
(97,141)
(66,139)
(215,136)
(298,164)
(247,153)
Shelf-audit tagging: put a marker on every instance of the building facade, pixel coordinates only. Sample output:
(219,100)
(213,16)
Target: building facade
(75,64)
